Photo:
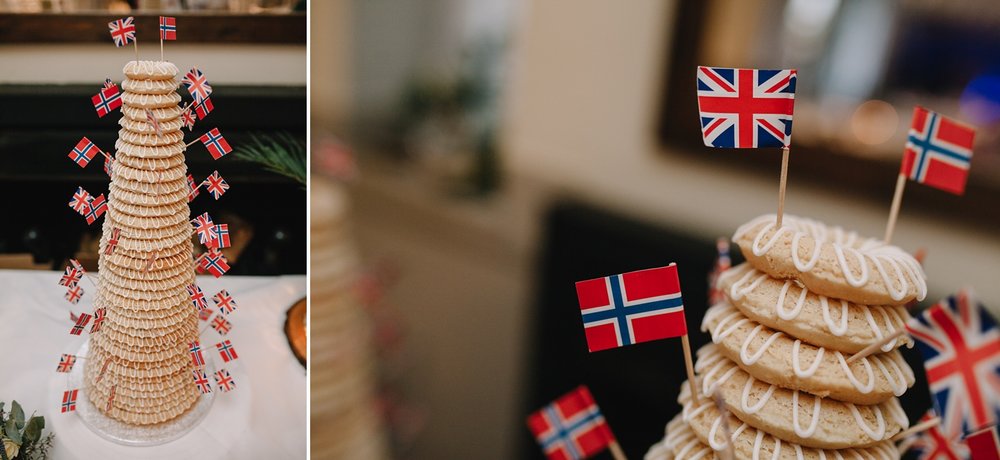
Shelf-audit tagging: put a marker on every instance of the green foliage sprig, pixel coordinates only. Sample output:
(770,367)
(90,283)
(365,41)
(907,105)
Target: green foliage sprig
(22,439)
(281,153)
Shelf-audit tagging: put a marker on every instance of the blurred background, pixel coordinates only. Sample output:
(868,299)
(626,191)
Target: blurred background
(486,154)
(55,55)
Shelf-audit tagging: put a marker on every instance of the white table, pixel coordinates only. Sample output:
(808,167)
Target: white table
(265,417)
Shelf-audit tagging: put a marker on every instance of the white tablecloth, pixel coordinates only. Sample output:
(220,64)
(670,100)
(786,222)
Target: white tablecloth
(264,418)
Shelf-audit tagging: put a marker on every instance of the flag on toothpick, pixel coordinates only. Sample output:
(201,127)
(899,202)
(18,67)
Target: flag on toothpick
(201,381)
(109,84)
(70,277)
(934,444)
(99,315)
(106,101)
(984,444)
(109,165)
(746,108)
(221,237)
(224,301)
(571,427)
(109,248)
(168,28)
(722,263)
(154,123)
(215,143)
(205,314)
(631,308)
(204,108)
(96,209)
(66,363)
(197,297)
(81,323)
(84,152)
(960,343)
(938,151)
(77,265)
(111,398)
(192,188)
(188,119)
(217,186)
(74,294)
(122,31)
(224,381)
(197,85)
(69,400)
(221,325)
(196,357)
(226,351)
(204,228)
(80,202)
(215,263)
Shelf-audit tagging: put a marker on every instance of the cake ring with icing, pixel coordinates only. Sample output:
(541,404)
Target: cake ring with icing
(150,86)
(775,358)
(679,442)
(831,261)
(794,415)
(151,101)
(832,323)
(750,443)
(161,113)
(144,127)
(150,70)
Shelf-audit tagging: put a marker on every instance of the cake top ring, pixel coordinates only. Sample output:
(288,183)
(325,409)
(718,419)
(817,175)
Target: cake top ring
(150,70)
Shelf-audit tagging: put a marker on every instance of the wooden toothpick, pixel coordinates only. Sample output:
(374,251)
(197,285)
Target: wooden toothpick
(781,186)
(876,346)
(897,199)
(922,426)
(690,368)
(616,450)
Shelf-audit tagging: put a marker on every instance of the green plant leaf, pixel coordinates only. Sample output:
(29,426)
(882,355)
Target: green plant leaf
(33,429)
(282,153)
(17,414)
(10,429)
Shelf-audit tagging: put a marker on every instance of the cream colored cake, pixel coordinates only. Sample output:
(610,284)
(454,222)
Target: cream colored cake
(140,354)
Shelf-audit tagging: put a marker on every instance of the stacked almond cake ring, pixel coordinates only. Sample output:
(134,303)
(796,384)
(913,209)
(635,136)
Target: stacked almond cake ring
(808,298)
(139,369)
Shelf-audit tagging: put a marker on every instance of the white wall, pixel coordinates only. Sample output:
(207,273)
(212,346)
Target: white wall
(581,114)
(92,63)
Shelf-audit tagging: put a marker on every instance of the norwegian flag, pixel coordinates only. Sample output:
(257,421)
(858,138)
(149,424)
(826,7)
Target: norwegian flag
(109,84)
(571,427)
(168,28)
(201,380)
(204,227)
(204,108)
(221,325)
(66,363)
(109,247)
(215,263)
(99,315)
(109,165)
(81,323)
(70,277)
(84,152)
(630,308)
(80,202)
(933,444)
(74,294)
(196,357)
(746,108)
(205,314)
(217,186)
(224,301)
(106,101)
(192,188)
(984,444)
(938,151)
(197,85)
(960,344)
(122,31)
(69,400)
(221,237)
(151,119)
(188,118)
(226,350)
(722,263)
(215,143)
(197,297)
(224,381)
(96,209)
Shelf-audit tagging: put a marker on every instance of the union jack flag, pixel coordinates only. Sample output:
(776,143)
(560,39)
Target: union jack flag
(938,151)
(83,152)
(221,325)
(746,108)
(934,444)
(226,350)
(151,119)
(168,28)
(722,263)
(66,363)
(69,400)
(109,247)
(74,294)
(222,237)
(109,84)
(99,315)
(217,186)
(631,308)
(188,119)
(204,108)
(960,344)
(96,209)
(224,381)
(571,427)
(224,301)
(122,31)
(197,297)
(111,398)
(106,101)
(80,202)
(197,85)
(77,265)
(196,357)
(192,188)
(215,263)
(205,228)
(201,380)
(984,444)
(109,165)
(205,314)
(70,277)
(215,143)
(81,322)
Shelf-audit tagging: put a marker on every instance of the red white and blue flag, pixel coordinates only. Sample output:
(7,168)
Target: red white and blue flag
(81,323)
(205,228)
(106,101)
(99,315)
(196,356)
(197,85)
(960,344)
(205,314)
(226,351)
(722,263)
(204,108)
(746,108)
(224,381)
(122,31)
(80,202)
(221,325)
(984,444)
(224,300)
(201,380)
(217,186)
(70,277)
(188,118)
(109,84)
(215,143)
(74,294)
(168,28)
(938,151)
(84,152)
(192,188)
(631,308)
(197,297)
(96,209)
(69,400)
(109,247)
(571,427)
(109,165)
(215,263)
(933,444)
(221,237)
(66,363)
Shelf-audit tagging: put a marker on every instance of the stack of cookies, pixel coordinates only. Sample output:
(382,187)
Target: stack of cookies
(139,369)
(807,299)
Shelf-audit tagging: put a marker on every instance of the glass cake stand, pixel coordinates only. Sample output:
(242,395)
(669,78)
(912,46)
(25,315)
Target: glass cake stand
(136,435)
